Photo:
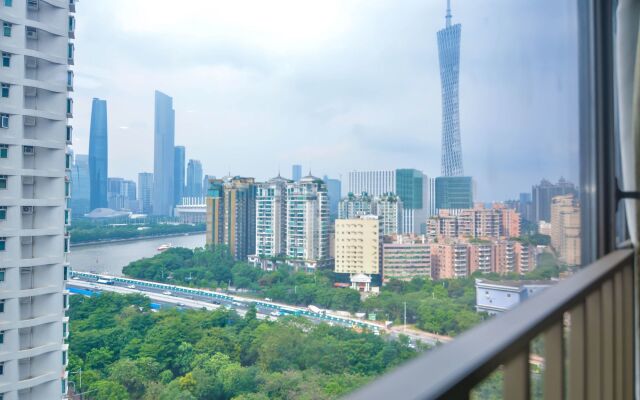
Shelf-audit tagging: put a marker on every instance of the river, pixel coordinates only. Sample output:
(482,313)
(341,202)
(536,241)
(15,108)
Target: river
(110,258)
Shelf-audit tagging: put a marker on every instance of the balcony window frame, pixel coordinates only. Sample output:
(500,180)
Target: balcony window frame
(2,304)
(5,90)
(4,182)
(3,213)
(4,121)
(6,28)
(8,3)
(4,150)
(6,59)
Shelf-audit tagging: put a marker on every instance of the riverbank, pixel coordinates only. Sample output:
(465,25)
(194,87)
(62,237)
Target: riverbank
(135,239)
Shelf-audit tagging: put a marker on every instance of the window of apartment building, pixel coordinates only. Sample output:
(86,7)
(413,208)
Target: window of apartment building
(64,358)
(69,133)
(3,181)
(6,59)
(33,5)
(6,29)
(2,305)
(2,273)
(4,150)
(65,301)
(2,364)
(4,121)
(8,3)
(5,89)
(65,273)
(1,342)
(3,243)
(3,213)
(32,33)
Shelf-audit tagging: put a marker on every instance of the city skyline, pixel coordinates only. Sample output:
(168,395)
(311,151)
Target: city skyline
(388,116)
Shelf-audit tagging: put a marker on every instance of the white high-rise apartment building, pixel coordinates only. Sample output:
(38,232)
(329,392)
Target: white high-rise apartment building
(271,217)
(34,195)
(308,221)
(390,212)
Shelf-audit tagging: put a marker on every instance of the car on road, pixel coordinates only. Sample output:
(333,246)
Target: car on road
(168,293)
(275,313)
(131,286)
(75,278)
(181,305)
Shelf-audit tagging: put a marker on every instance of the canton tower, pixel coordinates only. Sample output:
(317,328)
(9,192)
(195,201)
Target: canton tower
(449,55)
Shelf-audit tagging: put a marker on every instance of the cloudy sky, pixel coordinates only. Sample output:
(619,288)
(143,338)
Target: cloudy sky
(334,85)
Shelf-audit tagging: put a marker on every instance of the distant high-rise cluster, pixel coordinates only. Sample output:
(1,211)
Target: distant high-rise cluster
(122,194)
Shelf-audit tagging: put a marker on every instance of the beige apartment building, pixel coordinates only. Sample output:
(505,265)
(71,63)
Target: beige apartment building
(358,249)
(565,228)
(405,257)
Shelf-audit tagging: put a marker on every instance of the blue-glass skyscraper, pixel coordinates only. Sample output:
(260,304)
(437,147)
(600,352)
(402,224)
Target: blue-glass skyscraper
(178,173)
(449,55)
(163,155)
(98,154)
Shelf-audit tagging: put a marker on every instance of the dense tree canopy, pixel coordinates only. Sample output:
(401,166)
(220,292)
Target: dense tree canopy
(126,351)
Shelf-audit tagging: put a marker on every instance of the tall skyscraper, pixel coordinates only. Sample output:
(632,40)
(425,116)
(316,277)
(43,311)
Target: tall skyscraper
(81,193)
(36,189)
(163,157)
(449,55)
(271,217)
(308,222)
(194,179)
(296,172)
(98,154)
(231,215)
(334,188)
(145,192)
(178,174)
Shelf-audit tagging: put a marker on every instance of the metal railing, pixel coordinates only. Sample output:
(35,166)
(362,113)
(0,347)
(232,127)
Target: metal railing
(587,325)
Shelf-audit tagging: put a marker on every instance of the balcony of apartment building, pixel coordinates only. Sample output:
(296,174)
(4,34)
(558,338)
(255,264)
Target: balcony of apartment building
(588,323)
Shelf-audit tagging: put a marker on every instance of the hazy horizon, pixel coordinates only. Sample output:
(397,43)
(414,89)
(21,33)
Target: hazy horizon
(334,86)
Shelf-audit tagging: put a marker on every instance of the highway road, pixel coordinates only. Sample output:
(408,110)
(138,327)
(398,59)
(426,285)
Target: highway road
(210,300)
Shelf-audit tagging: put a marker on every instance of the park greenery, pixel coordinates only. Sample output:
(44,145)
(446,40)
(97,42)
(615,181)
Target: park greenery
(87,232)
(120,349)
(445,307)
